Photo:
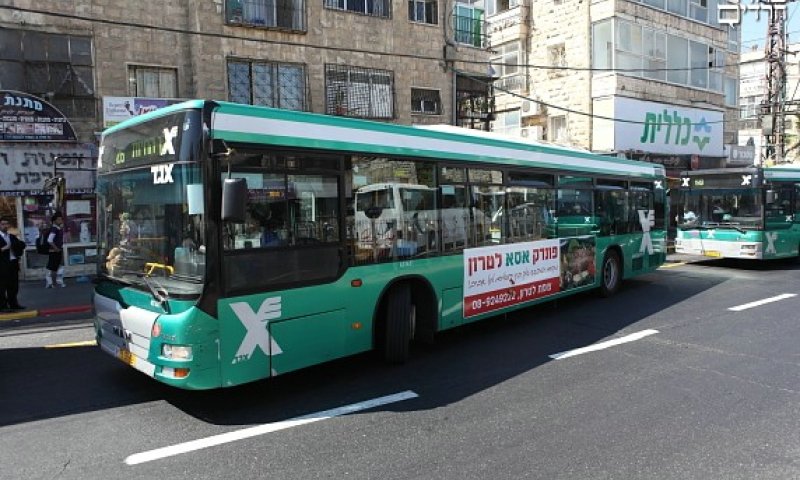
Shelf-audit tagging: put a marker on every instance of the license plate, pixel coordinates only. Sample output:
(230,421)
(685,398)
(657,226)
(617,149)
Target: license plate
(712,253)
(126,356)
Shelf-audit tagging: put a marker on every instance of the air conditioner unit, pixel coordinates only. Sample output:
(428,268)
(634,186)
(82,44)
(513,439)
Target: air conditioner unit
(529,108)
(531,133)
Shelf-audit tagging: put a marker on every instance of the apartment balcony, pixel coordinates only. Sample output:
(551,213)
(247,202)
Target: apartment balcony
(511,83)
(508,25)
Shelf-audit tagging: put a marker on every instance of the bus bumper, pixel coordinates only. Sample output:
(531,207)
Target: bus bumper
(719,248)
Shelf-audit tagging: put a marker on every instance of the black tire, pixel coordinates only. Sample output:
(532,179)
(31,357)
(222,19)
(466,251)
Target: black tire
(399,324)
(610,274)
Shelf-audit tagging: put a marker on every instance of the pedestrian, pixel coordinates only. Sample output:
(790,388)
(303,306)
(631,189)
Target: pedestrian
(55,259)
(11,250)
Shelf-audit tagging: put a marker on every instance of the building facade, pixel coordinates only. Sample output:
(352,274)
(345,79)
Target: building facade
(102,61)
(653,80)
(753,92)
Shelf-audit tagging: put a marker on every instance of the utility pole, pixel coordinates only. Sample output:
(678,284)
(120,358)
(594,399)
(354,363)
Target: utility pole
(772,109)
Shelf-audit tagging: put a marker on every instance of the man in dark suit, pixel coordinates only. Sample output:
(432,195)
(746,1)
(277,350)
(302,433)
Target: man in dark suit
(11,251)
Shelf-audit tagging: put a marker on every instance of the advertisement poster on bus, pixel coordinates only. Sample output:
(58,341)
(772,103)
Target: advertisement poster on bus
(500,276)
(577,262)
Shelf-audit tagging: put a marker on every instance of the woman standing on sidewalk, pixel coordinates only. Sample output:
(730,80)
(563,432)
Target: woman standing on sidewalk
(55,259)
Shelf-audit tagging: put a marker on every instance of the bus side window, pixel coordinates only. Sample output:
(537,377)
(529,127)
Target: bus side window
(797,202)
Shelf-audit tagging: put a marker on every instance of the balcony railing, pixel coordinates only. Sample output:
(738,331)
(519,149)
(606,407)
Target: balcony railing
(285,14)
(514,83)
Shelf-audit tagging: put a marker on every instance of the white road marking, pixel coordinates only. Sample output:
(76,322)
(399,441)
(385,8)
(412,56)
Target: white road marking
(776,298)
(233,436)
(603,345)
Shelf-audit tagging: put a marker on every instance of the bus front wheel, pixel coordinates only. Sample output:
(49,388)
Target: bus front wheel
(612,274)
(399,326)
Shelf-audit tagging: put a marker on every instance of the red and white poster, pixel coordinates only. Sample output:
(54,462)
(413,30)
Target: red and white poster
(503,275)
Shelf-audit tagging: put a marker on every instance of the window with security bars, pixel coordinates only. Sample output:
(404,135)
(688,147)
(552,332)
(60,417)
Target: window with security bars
(469,24)
(58,68)
(423,11)
(153,82)
(288,14)
(426,101)
(359,92)
(270,84)
(376,8)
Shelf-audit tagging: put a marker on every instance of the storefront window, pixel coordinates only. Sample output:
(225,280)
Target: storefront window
(79,218)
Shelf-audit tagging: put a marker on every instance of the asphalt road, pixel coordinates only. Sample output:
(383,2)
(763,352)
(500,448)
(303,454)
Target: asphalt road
(689,389)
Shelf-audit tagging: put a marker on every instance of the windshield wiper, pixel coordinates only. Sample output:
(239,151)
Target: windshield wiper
(159,293)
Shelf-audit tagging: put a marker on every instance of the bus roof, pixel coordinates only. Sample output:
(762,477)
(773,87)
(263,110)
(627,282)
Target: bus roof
(774,173)
(783,172)
(233,122)
(168,110)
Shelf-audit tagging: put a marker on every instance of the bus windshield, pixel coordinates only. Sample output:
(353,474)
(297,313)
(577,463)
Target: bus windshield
(735,208)
(150,204)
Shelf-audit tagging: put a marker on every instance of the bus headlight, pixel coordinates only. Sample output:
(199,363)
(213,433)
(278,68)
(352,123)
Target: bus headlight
(176,352)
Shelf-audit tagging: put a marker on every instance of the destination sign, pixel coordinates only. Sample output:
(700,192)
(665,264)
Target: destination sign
(169,139)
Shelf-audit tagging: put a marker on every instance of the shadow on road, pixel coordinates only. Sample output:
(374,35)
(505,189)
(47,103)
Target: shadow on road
(38,383)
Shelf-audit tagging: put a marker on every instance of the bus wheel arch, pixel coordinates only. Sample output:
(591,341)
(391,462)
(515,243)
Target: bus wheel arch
(611,271)
(405,313)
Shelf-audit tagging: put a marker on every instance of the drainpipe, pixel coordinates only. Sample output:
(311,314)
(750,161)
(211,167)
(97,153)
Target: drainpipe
(591,74)
(449,45)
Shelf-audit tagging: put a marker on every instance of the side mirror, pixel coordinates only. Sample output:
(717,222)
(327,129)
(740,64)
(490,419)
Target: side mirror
(234,200)
(373,212)
(771,196)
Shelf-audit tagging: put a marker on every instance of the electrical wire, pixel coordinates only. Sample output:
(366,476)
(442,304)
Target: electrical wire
(578,112)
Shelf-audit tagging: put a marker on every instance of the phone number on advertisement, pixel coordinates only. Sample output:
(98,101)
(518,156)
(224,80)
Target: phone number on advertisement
(492,300)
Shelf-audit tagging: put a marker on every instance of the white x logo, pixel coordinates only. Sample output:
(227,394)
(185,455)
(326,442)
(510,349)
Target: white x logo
(257,324)
(685,182)
(658,185)
(169,136)
(771,237)
(646,220)
(746,179)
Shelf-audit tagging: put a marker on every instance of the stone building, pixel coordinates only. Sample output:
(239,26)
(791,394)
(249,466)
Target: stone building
(101,61)
(752,93)
(645,62)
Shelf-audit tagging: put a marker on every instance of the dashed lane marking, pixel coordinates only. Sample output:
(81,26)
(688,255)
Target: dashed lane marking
(603,345)
(765,301)
(235,435)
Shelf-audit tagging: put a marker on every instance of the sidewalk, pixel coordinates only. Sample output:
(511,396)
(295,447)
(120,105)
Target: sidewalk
(69,303)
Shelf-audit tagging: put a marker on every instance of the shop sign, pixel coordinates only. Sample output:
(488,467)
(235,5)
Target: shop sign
(25,118)
(741,154)
(25,167)
(118,109)
(667,129)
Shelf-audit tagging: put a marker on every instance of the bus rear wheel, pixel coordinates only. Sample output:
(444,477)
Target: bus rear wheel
(399,326)
(611,274)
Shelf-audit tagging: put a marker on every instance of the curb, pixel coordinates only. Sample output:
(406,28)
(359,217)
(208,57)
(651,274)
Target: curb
(45,312)
(19,315)
(68,309)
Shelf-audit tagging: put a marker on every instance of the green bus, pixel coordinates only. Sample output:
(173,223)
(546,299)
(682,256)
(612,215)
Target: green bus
(750,213)
(240,242)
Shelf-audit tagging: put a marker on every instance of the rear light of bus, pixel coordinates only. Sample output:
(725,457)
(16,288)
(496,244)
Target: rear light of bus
(176,352)
(175,372)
